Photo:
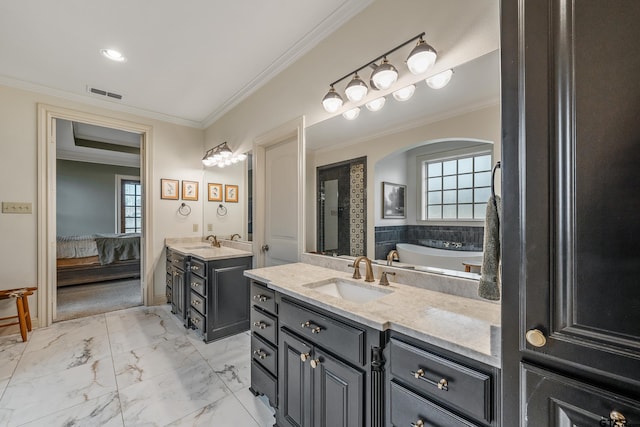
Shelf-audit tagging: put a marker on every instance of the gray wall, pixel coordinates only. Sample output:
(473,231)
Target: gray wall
(86,194)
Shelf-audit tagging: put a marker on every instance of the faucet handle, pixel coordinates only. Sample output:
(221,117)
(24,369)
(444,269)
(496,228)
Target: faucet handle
(384,280)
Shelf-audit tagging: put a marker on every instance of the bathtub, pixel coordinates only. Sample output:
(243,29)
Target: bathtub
(433,257)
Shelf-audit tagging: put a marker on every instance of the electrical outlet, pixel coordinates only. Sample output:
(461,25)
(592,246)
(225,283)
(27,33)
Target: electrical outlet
(16,207)
(209,227)
(195,228)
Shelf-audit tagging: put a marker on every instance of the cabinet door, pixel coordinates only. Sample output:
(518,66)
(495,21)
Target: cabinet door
(294,380)
(338,392)
(557,401)
(178,293)
(229,296)
(571,189)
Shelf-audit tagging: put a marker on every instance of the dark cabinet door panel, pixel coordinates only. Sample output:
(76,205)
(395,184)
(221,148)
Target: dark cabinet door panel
(294,380)
(231,296)
(338,395)
(557,401)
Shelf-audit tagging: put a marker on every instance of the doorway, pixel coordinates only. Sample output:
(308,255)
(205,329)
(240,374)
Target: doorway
(98,219)
(48,117)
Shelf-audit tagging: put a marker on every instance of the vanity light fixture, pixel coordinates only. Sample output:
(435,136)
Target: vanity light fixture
(405,93)
(384,75)
(113,55)
(351,114)
(440,80)
(421,58)
(221,156)
(376,104)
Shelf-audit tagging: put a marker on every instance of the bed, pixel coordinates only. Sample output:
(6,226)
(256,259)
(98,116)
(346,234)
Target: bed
(97,258)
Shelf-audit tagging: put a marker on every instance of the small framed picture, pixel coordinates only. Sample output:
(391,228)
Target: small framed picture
(215,192)
(393,200)
(190,190)
(169,189)
(231,193)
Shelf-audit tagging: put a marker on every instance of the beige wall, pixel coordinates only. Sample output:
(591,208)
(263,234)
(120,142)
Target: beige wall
(177,151)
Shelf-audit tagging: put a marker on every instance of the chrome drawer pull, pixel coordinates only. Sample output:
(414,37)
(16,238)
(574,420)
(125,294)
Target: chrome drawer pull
(260,325)
(195,268)
(315,329)
(176,261)
(260,298)
(195,302)
(418,423)
(443,384)
(196,320)
(195,284)
(261,354)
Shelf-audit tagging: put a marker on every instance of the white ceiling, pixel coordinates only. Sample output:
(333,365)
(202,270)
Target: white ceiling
(188,62)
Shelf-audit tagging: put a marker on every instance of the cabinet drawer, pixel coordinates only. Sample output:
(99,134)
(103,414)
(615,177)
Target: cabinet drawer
(264,383)
(263,297)
(198,267)
(198,284)
(410,409)
(175,259)
(265,354)
(198,302)
(264,325)
(198,321)
(330,333)
(465,389)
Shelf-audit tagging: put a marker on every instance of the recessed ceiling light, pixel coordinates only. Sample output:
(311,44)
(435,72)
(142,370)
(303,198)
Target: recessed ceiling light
(113,55)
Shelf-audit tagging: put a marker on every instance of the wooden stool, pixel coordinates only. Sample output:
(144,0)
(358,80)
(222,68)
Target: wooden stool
(22,305)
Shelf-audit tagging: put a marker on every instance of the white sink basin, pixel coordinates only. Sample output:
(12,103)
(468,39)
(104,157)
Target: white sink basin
(199,247)
(349,290)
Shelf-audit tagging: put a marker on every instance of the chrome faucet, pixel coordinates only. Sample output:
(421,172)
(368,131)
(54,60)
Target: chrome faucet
(214,240)
(369,271)
(233,236)
(391,256)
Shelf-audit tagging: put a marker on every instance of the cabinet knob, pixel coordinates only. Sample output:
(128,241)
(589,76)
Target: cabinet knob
(419,373)
(418,423)
(616,419)
(536,338)
(304,356)
(315,363)
(260,298)
(196,320)
(195,284)
(195,302)
(261,354)
(260,325)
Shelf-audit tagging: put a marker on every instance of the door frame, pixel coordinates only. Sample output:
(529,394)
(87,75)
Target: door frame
(291,129)
(46,245)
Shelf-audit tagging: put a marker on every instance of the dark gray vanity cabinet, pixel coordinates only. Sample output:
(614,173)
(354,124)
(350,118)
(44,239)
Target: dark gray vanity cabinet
(264,342)
(329,370)
(219,296)
(427,386)
(571,300)
(177,275)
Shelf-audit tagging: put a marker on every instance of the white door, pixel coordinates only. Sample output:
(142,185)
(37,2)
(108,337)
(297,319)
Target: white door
(281,203)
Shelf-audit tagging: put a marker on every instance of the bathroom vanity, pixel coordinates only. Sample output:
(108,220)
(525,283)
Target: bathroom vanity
(331,350)
(209,292)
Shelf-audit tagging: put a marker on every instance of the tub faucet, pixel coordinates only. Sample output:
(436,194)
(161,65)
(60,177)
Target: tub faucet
(369,271)
(214,240)
(233,236)
(391,256)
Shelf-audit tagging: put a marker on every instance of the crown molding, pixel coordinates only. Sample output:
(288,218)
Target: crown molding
(131,161)
(101,103)
(330,24)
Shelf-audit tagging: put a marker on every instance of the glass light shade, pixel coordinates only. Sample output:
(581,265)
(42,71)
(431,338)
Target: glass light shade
(217,157)
(221,165)
(208,162)
(356,89)
(421,58)
(225,152)
(440,80)
(405,93)
(351,114)
(227,162)
(376,104)
(242,156)
(332,101)
(235,159)
(385,75)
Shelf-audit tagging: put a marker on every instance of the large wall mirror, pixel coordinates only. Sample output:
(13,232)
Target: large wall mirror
(457,127)
(228,200)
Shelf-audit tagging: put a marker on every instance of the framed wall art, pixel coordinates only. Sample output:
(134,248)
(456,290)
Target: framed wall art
(231,193)
(393,200)
(169,189)
(190,190)
(215,192)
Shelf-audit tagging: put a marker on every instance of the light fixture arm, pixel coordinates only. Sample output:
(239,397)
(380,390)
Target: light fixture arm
(373,61)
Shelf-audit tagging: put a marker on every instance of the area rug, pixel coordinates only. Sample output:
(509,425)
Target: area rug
(96,298)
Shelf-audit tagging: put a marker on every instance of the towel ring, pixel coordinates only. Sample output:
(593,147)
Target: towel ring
(222,211)
(493,178)
(184,209)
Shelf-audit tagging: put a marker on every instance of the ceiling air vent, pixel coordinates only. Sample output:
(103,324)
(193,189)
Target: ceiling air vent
(103,92)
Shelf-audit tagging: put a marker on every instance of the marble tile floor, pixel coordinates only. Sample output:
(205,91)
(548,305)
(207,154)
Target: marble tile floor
(134,367)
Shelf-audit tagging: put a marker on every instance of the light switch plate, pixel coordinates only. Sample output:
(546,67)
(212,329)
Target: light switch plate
(209,227)
(16,207)
(195,228)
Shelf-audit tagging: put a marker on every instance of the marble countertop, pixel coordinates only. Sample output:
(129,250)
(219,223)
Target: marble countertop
(206,252)
(465,326)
